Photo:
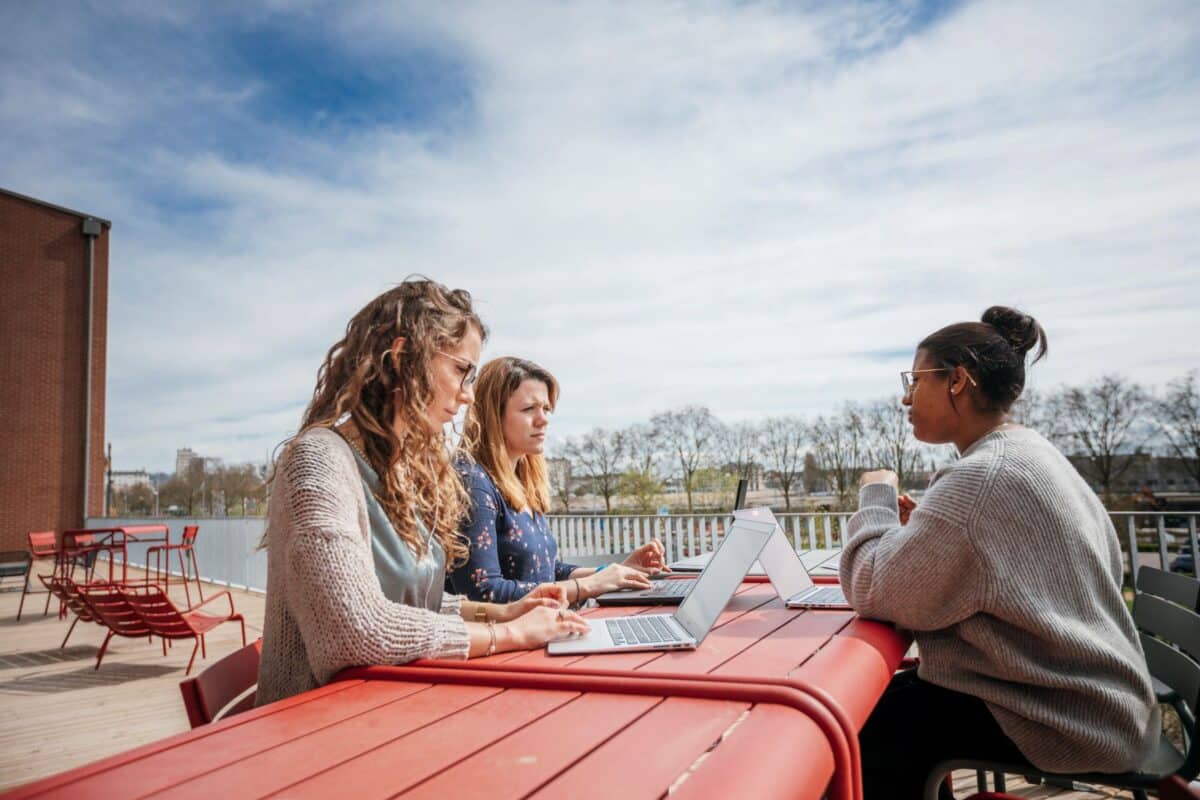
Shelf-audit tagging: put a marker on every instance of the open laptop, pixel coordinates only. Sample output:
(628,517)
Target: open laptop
(691,622)
(666,591)
(791,580)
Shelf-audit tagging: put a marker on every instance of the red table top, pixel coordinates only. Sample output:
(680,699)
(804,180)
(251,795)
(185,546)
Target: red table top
(389,738)
(744,715)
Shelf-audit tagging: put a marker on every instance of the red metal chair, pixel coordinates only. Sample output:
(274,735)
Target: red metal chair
(222,690)
(43,545)
(167,621)
(70,598)
(186,547)
(108,606)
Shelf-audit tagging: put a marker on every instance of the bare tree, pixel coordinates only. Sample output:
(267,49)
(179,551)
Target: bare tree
(891,444)
(599,455)
(690,435)
(1177,418)
(739,444)
(839,441)
(1038,409)
(783,440)
(559,470)
(642,448)
(1101,423)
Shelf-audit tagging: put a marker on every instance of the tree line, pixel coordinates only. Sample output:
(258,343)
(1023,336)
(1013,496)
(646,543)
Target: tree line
(1099,424)
(207,487)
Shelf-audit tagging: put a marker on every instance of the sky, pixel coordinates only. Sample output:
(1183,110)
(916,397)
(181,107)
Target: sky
(757,207)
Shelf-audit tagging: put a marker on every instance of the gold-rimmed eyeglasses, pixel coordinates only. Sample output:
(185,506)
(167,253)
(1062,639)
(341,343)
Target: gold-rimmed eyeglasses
(471,375)
(907,381)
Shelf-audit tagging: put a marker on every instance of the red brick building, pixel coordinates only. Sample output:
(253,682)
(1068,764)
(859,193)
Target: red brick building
(53,277)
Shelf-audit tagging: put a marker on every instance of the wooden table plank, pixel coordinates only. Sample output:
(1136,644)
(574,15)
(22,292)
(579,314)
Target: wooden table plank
(776,752)
(724,643)
(408,760)
(316,749)
(519,764)
(204,750)
(777,655)
(645,758)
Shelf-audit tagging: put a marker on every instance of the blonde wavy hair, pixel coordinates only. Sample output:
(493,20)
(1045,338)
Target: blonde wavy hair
(364,381)
(528,485)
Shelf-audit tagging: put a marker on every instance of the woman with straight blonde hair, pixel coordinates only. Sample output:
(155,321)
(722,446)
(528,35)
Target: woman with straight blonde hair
(365,506)
(511,548)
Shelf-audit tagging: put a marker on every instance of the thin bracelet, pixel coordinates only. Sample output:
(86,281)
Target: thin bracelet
(492,634)
(578,593)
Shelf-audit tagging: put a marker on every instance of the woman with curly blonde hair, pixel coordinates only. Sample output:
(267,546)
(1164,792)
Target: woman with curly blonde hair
(512,549)
(365,506)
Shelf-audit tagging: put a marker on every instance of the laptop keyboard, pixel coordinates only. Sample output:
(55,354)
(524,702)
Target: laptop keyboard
(670,588)
(641,630)
(830,595)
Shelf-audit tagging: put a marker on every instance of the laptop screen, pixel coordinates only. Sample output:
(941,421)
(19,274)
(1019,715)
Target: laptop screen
(725,571)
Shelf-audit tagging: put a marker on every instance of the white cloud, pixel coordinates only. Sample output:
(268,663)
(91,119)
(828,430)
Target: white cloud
(719,203)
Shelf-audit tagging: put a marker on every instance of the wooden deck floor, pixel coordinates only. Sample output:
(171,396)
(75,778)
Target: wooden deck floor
(58,712)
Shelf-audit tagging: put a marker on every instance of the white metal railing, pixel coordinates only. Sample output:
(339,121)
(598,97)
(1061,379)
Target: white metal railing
(226,547)
(682,535)
(1157,537)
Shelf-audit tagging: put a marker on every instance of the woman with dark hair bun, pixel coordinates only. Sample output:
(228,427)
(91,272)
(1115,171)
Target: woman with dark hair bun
(1008,574)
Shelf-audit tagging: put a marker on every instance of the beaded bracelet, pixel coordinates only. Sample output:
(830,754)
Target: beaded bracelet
(492,638)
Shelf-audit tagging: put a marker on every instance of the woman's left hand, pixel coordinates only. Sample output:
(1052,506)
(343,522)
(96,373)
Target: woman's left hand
(550,595)
(649,558)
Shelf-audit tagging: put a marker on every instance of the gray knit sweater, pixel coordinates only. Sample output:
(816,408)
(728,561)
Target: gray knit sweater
(325,608)
(1009,574)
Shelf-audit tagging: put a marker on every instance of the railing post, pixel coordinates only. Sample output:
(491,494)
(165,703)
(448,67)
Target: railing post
(1192,537)
(1163,560)
(1131,532)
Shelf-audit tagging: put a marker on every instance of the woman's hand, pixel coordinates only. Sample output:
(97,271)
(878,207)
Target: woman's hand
(548,595)
(542,624)
(611,578)
(907,504)
(649,558)
(885,476)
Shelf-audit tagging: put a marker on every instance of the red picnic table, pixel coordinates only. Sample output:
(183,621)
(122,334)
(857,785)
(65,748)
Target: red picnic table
(408,738)
(768,706)
(840,661)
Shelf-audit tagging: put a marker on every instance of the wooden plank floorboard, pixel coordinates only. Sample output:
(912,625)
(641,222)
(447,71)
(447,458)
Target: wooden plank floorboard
(58,712)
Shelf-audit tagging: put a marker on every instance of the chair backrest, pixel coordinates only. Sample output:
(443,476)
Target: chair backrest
(107,601)
(43,544)
(1170,637)
(156,609)
(1170,586)
(189,535)
(221,690)
(15,563)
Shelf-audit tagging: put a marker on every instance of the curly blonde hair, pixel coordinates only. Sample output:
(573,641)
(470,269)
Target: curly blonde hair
(364,380)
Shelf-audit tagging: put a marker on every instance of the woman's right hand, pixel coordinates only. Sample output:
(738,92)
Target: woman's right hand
(612,578)
(544,624)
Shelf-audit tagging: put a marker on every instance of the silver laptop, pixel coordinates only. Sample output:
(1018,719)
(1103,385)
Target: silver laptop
(687,627)
(791,580)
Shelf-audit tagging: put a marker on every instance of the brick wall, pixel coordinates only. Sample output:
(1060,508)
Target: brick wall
(43,361)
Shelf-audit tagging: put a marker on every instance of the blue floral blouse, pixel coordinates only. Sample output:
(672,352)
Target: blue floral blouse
(511,551)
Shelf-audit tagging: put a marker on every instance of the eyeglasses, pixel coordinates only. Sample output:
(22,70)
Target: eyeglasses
(472,373)
(906,378)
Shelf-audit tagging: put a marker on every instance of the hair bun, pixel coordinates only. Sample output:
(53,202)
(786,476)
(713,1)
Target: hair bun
(1020,330)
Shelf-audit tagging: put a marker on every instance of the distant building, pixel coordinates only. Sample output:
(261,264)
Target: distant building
(184,457)
(1160,474)
(53,341)
(127,479)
